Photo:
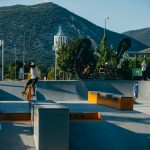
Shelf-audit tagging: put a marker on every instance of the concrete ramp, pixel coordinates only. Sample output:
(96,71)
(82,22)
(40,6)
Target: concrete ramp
(78,90)
(11,91)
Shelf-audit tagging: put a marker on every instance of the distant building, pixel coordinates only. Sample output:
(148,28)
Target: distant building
(145,52)
(59,39)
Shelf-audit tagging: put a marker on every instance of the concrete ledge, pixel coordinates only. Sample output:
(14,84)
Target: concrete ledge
(85,116)
(112,100)
(15,117)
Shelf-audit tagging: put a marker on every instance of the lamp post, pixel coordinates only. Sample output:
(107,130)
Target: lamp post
(2,44)
(15,61)
(55,65)
(23,53)
(105,26)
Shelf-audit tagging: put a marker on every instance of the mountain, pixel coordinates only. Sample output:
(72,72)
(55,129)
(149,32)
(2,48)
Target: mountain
(142,35)
(31,29)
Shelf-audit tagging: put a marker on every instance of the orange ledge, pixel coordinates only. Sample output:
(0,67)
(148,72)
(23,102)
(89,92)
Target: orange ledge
(85,116)
(16,117)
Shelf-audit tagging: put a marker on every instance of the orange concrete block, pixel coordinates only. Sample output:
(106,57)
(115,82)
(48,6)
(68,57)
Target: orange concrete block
(93,97)
(102,98)
(85,116)
(9,117)
(127,103)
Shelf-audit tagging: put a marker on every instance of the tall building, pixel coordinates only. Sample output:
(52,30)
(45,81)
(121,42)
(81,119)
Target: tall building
(59,39)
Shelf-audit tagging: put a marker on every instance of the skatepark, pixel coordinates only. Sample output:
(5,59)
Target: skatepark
(117,130)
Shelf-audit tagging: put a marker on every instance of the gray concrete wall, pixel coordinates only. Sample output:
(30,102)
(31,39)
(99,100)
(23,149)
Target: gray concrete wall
(71,90)
(78,90)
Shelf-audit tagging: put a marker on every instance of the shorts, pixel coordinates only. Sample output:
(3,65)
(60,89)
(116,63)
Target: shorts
(32,82)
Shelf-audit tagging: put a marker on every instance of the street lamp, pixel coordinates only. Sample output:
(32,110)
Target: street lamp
(55,65)
(2,44)
(23,53)
(15,61)
(105,26)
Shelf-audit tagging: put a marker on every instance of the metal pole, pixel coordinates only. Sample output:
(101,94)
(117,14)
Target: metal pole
(23,56)
(15,62)
(105,26)
(55,66)
(23,48)
(2,43)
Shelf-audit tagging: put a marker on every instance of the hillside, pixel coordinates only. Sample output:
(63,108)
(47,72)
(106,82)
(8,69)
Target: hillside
(142,35)
(31,29)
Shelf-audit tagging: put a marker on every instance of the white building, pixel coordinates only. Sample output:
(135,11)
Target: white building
(145,52)
(59,39)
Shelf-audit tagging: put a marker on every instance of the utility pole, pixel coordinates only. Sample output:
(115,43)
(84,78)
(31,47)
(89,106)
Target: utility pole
(15,62)
(2,44)
(105,26)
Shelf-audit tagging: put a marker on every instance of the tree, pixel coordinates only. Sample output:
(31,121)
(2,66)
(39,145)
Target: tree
(51,73)
(104,54)
(66,56)
(9,72)
(74,56)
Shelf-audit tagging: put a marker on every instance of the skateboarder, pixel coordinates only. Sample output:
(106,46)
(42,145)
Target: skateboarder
(33,79)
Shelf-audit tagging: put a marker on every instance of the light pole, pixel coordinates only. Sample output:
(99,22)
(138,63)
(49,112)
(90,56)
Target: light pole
(15,61)
(105,26)
(24,52)
(23,56)
(55,64)
(2,44)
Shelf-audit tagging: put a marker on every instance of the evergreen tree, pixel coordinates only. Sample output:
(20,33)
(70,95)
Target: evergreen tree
(104,54)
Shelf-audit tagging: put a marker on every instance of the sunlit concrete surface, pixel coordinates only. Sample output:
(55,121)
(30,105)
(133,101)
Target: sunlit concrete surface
(142,106)
(16,136)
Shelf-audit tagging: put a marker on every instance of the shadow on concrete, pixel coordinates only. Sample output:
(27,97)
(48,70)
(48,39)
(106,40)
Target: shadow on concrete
(16,136)
(8,97)
(105,136)
(128,119)
(55,86)
(77,90)
(85,86)
(102,86)
(73,107)
(40,96)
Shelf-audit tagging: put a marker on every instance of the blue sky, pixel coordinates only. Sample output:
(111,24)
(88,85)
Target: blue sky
(124,15)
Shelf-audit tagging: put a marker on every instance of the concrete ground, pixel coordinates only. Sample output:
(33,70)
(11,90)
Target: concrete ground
(142,105)
(119,130)
(16,136)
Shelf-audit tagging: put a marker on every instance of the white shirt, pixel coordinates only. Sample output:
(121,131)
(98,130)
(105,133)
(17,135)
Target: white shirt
(143,65)
(34,72)
(21,70)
